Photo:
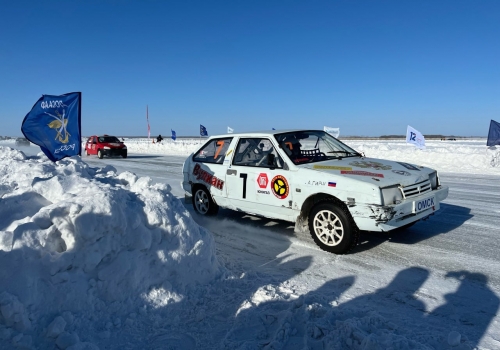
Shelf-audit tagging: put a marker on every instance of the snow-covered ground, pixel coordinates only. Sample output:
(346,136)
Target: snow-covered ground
(93,256)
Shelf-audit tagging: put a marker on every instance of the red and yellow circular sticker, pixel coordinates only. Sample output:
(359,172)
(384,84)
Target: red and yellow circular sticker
(279,185)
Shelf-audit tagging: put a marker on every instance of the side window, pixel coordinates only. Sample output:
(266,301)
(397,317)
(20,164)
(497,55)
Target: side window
(89,140)
(257,152)
(214,151)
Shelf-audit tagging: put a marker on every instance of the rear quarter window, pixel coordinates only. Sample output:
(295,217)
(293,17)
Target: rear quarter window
(213,151)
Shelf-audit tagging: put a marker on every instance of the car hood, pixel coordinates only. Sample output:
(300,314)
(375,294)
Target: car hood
(372,170)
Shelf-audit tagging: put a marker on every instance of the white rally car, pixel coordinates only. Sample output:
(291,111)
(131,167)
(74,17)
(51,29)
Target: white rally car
(310,177)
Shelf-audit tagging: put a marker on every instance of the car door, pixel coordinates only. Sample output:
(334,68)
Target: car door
(88,146)
(256,181)
(209,166)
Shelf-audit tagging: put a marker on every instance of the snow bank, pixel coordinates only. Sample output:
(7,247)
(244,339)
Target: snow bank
(167,146)
(82,245)
(462,156)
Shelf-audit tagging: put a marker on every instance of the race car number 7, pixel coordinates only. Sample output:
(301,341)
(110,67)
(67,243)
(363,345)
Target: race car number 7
(220,144)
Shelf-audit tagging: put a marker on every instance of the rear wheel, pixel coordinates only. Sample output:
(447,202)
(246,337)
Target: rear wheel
(332,228)
(100,154)
(124,154)
(203,202)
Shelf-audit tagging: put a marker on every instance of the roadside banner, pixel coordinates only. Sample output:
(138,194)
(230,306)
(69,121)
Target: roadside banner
(230,130)
(54,124)
(335,132)
(174,135)
(203,131)
(493,134)
(414,137)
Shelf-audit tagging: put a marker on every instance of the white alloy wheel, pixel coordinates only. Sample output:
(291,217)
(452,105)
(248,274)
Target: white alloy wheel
(328,228)
(332,227)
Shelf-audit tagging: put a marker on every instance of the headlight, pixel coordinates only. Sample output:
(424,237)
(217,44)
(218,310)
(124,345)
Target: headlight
(391,195)
(434,180)
(106,147)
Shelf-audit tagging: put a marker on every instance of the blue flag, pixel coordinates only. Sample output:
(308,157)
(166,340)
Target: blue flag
(274,129)
(493,134)
(174,136)
(203,131)
(54,124)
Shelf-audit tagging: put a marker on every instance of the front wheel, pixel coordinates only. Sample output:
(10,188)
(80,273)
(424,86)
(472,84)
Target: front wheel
(203,202)
(124,154)
(100,154)
(332,228)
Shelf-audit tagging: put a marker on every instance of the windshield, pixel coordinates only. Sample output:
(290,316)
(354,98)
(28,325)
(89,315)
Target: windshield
(108,139)
(313,146)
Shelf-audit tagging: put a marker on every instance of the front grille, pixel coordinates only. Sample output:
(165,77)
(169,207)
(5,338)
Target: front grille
(417,189)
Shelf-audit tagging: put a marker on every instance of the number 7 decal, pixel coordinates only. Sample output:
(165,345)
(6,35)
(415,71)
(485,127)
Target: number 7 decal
(220,144)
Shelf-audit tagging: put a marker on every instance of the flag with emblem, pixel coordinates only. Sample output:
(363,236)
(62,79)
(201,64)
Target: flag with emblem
(203,131)
(54,124)
(335,132)
(493,134)
(414,137)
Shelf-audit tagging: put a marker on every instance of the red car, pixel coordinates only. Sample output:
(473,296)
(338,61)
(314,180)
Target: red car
(105,146)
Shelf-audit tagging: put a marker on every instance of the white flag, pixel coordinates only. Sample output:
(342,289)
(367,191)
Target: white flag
(335,132)
(414,137)
(229,130)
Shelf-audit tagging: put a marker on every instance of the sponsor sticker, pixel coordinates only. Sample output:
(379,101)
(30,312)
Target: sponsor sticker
(207,178)
(361,173)
(331,167)
(332,184)
(370,164)
(401,172)
(409,166)
(279,186)
(262,180)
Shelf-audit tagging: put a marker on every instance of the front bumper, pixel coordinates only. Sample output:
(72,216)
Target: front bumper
(371,217)
(114,152)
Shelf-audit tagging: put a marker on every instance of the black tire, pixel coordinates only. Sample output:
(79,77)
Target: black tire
(332,228)
(99,154)
(124,155)
(203,202)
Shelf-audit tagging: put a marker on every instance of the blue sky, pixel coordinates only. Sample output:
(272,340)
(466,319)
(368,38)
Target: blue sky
(368,67)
